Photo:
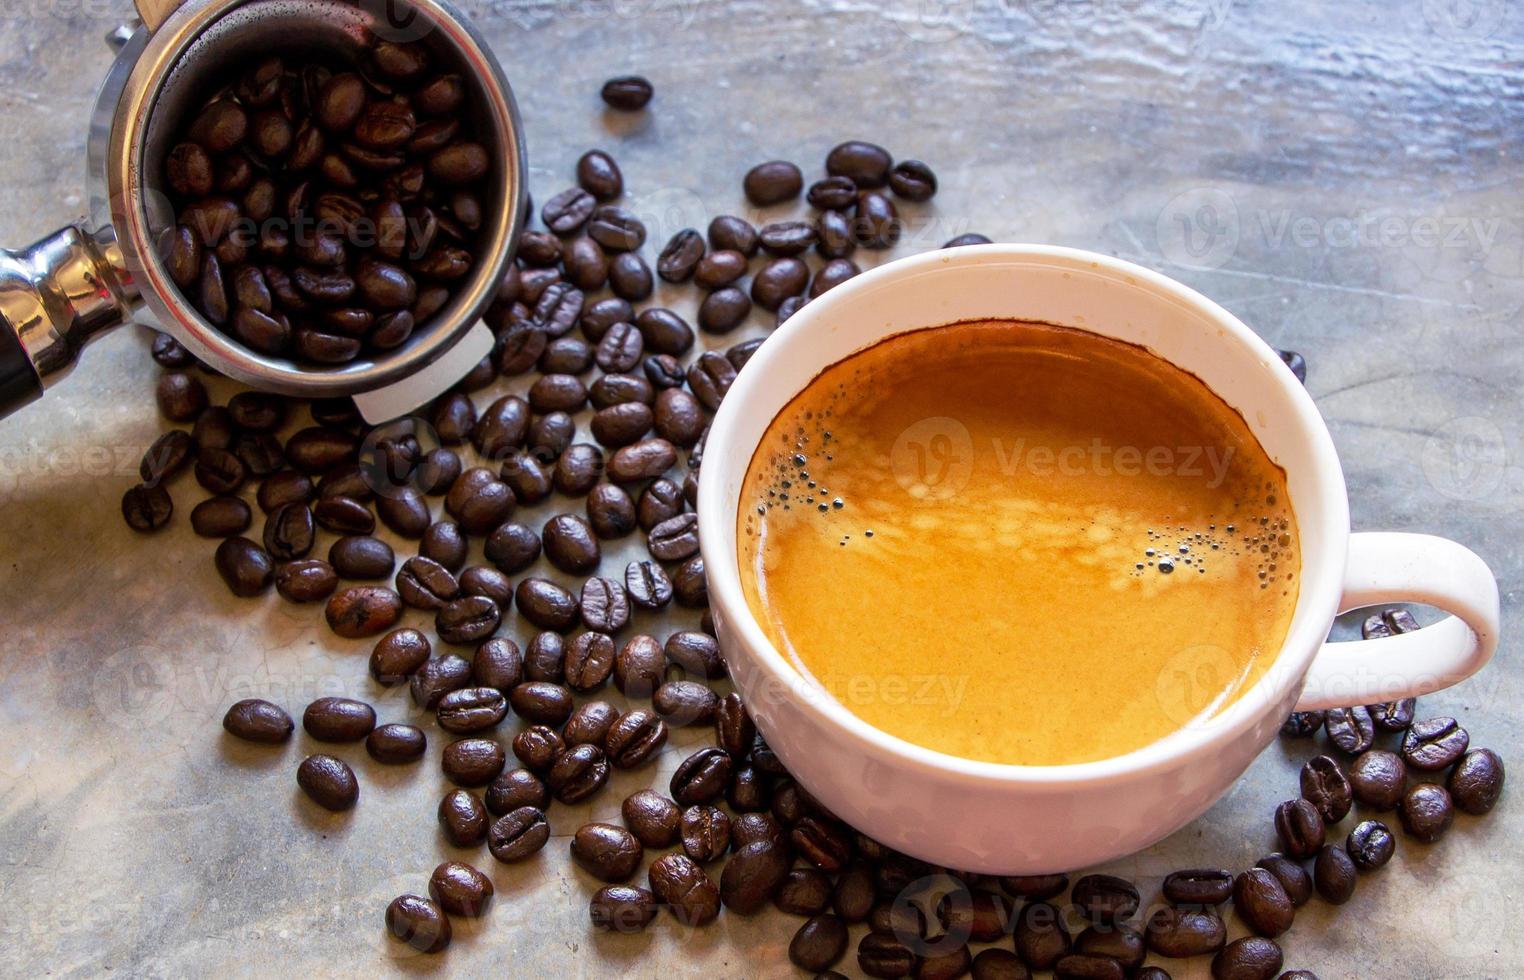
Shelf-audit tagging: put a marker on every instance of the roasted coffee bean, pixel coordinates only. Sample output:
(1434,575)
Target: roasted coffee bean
(690,585)
(616,229)
(527,478)
(685,889)
(260,453)
(1249,958)
(589,661)
(685,703)
(460,889)
(611,513)
(606,852)
(979,915)
(867,164)
(777,281)
(468,620)
(444,547)
(1349,729)
(705,833)
(836,193)
(214,429)
(1083,966)
(167,456)
(664,332)
(772,182)
(398,655)
(590,723)
(361,557)
(749,790)
(341,515)
(557,310)
(652,818)
(290,532)
(244,566)
(539,248)
(570,544)
(587,267)
(546,605)
(1296,363)
(516,788)
(723,310)
(1476,782)
(438,677)
(675,539)
(1434,743)
(550,434)
(1002,964)
(702,777)
(290,487)
(605,606)
(501,427)
(1105,898)
(537,747)
(803,891)
(1182,932)
(545,658)
(542,702)
(518,835)
(1300,828)
(479,504)
(167,351)
(639,666)
(498,664)
(621,908)
(148,508)
(1333,874)
(630,277)
(1301,724)
(512,548)
(734,731)
(820,841)
(396,744)
(1198,887)
(679,418)
(644,460)
(753,875)
(620,348)
(1325,786)
(463,819)
(627,93)
(219,471)
(1377,778)
(419,922)
(473,761)
(620,425)
(328,782)
(878,954)
(787,237)
(1262,903)
(578,469)
(822,941)
(835,238)
(730,233)
(698,654)
(602,314)
(472,709)
(577,773)
(720,268)
(361,611)
(257,720)
(913,181)
(648,585)
(661,500)
(831,275)
(876,224)
(1393,716)
(616,389)
(338,720)
(404,511)
(1426,812)
(320,448)
(599,175)
(634,739)
(519,349)
(1291,874)
(221,517)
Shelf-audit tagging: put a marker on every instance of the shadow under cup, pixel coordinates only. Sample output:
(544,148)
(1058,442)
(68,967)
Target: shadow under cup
(958,812)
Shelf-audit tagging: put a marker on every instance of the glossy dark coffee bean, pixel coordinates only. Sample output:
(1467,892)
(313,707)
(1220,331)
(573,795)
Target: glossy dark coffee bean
(577,773)
(606,852)
(1377,778)
(537,747)
(1105,898)
(627,93)
(342,515)
(1183,932)
(652,818)
(599,175)
(1434,744)
(220,471)
(404,511)
(290,532)
(445,546)
(777,281)
(1261,902)
(578,469)
(705,833)
(181,397)
(1302,724)
(1349,729)
(168,455)
(328,782)
(661,500)
(547,605)
(664,332)
(1292,875)
(1476,782)
(589,661)
(787,237)
(1198,887)
(338,720)
(570,544)
(460,889)
(1334,875)
(463,819)
(436,678)
(639,666)
(730,233)
(612,515)
(605,606)
(879,954)
(818,840)
(1002,964)
(622,908)
(1300,828)
(648,585)
(545,658)
(471,709)
(702,777)
(724,310)
(361,611)
(473,761)
(149,508)
(685,703)
(257,720)
(616,229)
(516,788)
(831,275)
(512,548)
(361,557)
(867,164)
(246,568)
(418,922)
(877,223)
(1326,787)
(542,702)
(398,655)
(221,517)
(1249,958)
(804,891)
(498,664)
(685,889)
(772,182)
(396,744)
(518,835)
(1426,812)
(644,460)
(623,424)
(913,181)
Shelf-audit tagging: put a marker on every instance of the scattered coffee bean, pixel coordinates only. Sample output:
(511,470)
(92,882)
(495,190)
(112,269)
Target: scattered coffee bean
(621,908)
(1262,903)
(1292,876)
(702,777)
(438,677)
(1183,932)
(1325,786)
(635,738)
(460,889)
(463,819)
(1249,958)
(1370,845)
(1302,724)
(244,566)
(627,93)
(396,744)
(1377,778)
(518,835)
(685,703)
(1300,828)
(577,773)
(338,720)
(419,922)
(685,889)
(1349,729)
(329,782)
(1476,782)
(256,720)
(1333,874)
(361,611)
(1434,744)
(1426,812)
(913,181)
(867,164)
(606,852)
(473,761)
(1105,898)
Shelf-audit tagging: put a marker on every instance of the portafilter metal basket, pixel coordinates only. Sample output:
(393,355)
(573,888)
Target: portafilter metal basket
(61,292)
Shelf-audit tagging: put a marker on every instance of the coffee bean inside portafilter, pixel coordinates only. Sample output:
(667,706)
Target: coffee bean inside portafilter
(325,209)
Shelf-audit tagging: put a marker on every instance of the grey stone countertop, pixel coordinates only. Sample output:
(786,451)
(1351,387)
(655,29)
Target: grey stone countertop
(1344,177)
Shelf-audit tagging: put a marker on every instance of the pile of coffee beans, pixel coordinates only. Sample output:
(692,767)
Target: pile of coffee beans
(730,832)
(327,209)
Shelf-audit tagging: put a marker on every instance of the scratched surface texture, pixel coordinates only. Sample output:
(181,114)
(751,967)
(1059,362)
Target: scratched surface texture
(1345,177)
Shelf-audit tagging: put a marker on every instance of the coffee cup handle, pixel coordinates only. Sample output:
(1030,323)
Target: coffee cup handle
(1388,567)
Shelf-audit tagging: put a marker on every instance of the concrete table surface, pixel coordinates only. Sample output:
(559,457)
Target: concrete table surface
(1346,178)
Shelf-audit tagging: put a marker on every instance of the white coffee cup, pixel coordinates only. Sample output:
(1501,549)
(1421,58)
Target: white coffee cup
(1004,819)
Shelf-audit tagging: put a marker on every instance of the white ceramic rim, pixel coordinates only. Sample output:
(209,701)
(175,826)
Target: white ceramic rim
(1303,641)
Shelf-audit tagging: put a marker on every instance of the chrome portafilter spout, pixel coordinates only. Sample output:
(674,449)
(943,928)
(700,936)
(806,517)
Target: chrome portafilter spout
(61,292)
